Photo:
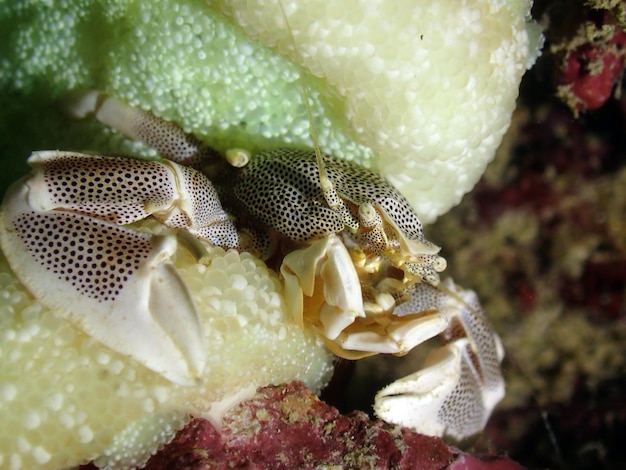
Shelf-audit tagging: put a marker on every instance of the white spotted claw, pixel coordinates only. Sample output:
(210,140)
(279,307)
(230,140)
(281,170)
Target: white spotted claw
(61,230)
(461,382)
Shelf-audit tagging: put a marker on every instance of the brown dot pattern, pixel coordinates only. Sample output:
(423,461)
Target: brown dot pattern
(170,141)
(422,297)
(281,188)
(463,410)
(94,258)
(484,352)
(205,202)
(208,219)
(111,188)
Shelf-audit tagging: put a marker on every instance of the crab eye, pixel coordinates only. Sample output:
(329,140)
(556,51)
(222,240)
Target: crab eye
(237,157)
(440,264)
(369,216)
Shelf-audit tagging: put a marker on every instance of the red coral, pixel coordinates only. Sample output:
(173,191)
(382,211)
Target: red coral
(287,427)
(592,65)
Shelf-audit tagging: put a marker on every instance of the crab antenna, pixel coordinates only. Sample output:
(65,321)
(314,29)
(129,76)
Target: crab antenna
(325,181)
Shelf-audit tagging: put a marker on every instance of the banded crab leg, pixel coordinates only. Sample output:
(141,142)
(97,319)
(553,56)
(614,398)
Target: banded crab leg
(461,382)
(167,138)
(61,229)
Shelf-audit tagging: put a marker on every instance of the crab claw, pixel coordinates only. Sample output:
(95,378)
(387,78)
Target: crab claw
(115,284)
(460,384)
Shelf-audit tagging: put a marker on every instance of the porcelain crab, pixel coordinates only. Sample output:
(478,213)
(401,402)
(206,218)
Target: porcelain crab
(351,252)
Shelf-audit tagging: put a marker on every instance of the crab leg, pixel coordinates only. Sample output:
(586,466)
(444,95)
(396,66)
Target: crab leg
(168,139)
(461,382)
(335,305)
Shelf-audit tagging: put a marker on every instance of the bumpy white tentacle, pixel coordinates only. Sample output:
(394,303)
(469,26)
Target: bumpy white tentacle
(460,384)
(61,230)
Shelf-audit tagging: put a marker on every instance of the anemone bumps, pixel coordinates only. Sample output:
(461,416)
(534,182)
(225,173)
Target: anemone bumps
(426,105)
